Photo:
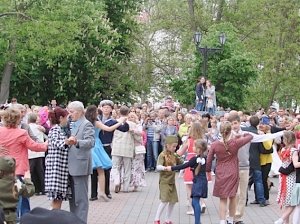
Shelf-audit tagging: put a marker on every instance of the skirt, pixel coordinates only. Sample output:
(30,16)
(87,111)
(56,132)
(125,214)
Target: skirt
(296,195)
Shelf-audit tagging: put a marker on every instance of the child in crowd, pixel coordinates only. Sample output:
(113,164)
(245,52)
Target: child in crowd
(11,188)
(286,180)
(168,193)
(195,132)
(198,167)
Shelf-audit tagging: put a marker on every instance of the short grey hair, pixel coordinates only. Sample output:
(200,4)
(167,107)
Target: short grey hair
(18,106)
(32,117)
(76,105)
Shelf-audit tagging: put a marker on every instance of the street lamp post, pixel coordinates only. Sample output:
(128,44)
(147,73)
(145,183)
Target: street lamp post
(205,51)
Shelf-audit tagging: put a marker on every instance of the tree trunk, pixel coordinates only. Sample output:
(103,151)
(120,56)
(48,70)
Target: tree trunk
(192,14)
(7,73)
(220,10)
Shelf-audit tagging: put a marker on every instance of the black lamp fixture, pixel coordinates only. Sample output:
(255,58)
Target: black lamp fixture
(205,51)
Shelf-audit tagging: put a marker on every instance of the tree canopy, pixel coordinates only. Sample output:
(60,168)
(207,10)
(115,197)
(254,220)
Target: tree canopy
(130,50)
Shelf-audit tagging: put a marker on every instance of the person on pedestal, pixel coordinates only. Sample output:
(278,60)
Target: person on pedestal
(200,94)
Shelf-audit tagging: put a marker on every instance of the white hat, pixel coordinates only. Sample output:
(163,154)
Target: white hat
(106,102)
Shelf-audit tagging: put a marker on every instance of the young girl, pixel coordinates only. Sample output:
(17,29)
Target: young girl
(227,169)
(198,167)
(167,187)
(195,132)
(286,182)
(100,159)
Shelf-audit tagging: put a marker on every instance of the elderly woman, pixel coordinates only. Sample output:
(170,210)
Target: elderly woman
(16,142)
(56,178)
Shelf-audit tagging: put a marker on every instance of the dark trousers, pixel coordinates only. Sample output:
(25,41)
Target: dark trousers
(94,177)
(37,174)
(265,169)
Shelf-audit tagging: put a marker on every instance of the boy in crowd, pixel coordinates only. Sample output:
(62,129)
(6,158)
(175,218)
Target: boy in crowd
(11,188)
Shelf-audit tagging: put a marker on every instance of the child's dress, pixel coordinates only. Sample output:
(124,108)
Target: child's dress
(188,174)
(199,188)
(167,187)
(286,182)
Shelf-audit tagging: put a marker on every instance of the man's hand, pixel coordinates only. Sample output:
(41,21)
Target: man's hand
(71,140)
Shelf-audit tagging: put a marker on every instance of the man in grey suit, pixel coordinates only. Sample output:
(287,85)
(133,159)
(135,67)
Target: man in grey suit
(81,142)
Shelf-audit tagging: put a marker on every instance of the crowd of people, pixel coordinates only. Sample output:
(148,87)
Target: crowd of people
(62,148)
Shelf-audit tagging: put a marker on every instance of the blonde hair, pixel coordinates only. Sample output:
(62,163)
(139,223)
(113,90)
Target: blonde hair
(196,131)
(200,148)
(10,117)
(225,130)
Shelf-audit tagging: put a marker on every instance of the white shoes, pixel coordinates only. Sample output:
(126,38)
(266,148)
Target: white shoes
(279,221)
(191,212)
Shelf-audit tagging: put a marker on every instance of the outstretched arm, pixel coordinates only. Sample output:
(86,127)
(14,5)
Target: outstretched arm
(104,127)
(191,163)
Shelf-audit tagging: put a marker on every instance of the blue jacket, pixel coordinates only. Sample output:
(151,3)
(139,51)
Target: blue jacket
(105,136)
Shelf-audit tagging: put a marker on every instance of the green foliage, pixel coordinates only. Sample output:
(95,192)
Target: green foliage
(72,51)
(270,29)
(230,70)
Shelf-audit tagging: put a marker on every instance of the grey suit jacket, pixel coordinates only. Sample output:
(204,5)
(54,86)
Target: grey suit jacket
(79,157)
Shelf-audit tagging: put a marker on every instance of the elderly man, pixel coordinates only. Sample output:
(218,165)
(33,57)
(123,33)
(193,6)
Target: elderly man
(81,142)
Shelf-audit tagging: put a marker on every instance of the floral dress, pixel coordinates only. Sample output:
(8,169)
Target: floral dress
(286,182)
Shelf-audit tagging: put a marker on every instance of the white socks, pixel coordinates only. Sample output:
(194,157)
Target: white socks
(222,221)
(160,209)
(169,211)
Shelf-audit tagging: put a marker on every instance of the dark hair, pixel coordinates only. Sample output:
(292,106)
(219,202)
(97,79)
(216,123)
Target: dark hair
(124,110)
(55,114)
(254,121)
(91,113)
(206,115)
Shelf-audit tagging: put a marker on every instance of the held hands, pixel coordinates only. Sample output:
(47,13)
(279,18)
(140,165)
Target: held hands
(168,168)
(71,140)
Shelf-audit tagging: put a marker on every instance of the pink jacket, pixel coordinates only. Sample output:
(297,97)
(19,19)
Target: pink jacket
(17,142)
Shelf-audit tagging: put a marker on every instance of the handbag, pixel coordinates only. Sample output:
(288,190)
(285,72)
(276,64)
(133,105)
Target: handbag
(210,103)
(139,149)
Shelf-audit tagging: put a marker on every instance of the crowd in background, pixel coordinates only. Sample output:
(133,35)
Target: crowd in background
(119,144)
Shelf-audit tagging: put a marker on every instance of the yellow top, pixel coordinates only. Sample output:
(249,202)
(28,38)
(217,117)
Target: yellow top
(266,158)
(183,129)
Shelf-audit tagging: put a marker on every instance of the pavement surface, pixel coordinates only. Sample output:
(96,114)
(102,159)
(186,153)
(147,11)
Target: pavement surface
(140,207)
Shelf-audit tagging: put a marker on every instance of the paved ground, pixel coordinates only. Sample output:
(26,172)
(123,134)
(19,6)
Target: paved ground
(140,207)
